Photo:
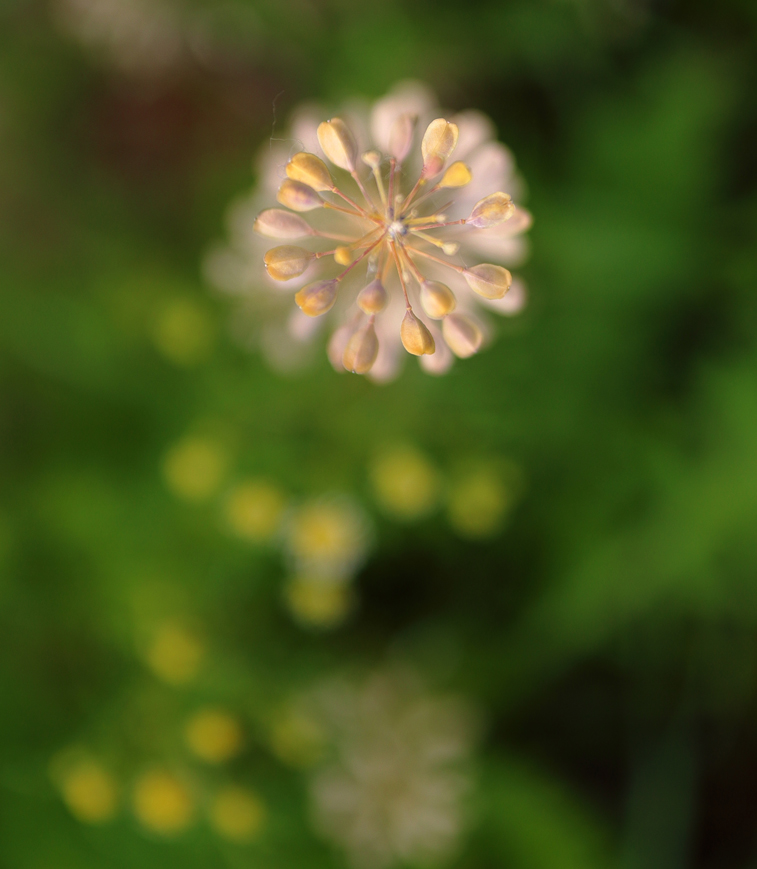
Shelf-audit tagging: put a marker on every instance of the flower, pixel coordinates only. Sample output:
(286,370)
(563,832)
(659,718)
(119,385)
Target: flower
(392,790)
(382,240)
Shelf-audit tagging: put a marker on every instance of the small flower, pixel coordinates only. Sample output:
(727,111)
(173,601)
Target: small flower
(383,239)
(392,788)
(162,802)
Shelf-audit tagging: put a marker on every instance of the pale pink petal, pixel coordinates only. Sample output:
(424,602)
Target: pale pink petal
(442,359)
(409,97)
(513,302)
(475,128)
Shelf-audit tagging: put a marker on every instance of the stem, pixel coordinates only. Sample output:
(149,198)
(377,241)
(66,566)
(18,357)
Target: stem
(392,169)
(440,225)
(421,180)
(345,210)
(380,185)
(418,276)
(333,237)
(362,256)
(360,184)
(436,259)
(399,272)
(362,211)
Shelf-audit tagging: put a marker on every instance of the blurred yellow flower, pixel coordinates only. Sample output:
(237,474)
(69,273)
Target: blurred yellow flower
(89,791)
(214,735)
(328,537)
(296,738)
(405,483)
(184,332)
(254,510)
(318,602)
(175,653)
(194,468)
(237,814)
(162,802)
(479,501)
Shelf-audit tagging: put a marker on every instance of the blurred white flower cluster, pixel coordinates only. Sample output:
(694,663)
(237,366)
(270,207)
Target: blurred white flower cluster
(391,786)
(401,227)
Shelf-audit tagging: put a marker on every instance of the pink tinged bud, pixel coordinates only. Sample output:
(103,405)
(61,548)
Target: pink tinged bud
(457,175)
(298,196)
(437,299)
(401,137)
(277,223)
(462,335)
(491,282)
(310,170)
(317,298)
(287,261)
(361,351)
(373,298)
(491,210)
(438,143)
(416,338)
(338,143)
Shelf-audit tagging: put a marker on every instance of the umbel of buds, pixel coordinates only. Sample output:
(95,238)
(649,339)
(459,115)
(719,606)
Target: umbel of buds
(391,243)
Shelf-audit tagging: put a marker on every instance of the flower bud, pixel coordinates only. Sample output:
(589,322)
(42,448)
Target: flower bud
(437,299)
(338,143)
(373,298)
(416,338)
(362,350)
(372,159)
(491,282)
(458,175)
(317,298)
(450,248)
(343,255)
(401,136)
(277,223)
(462,335)
(438,143)
(491,210)
(287,261)
(310,170)
(298,196)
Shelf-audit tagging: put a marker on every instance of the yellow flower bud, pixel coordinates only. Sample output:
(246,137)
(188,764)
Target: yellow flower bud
(373,298)
(462,335)
(277,223)
(491,282)
(317,298)
(491,210)
(437,299)
(450,247)
(416,338)
(310,170)
(372,159)
(237,814)
(338,143)
(343,255)
(287,261)
(214,735)
(298,196)
(438,143)
(458,175)
(162,803)
(362,350)
(89,791)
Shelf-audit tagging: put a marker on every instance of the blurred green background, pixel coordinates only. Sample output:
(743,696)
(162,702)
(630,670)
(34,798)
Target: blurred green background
(560,533)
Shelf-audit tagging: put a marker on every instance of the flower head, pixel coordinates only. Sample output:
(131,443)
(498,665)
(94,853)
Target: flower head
(385,216)
(395,771)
